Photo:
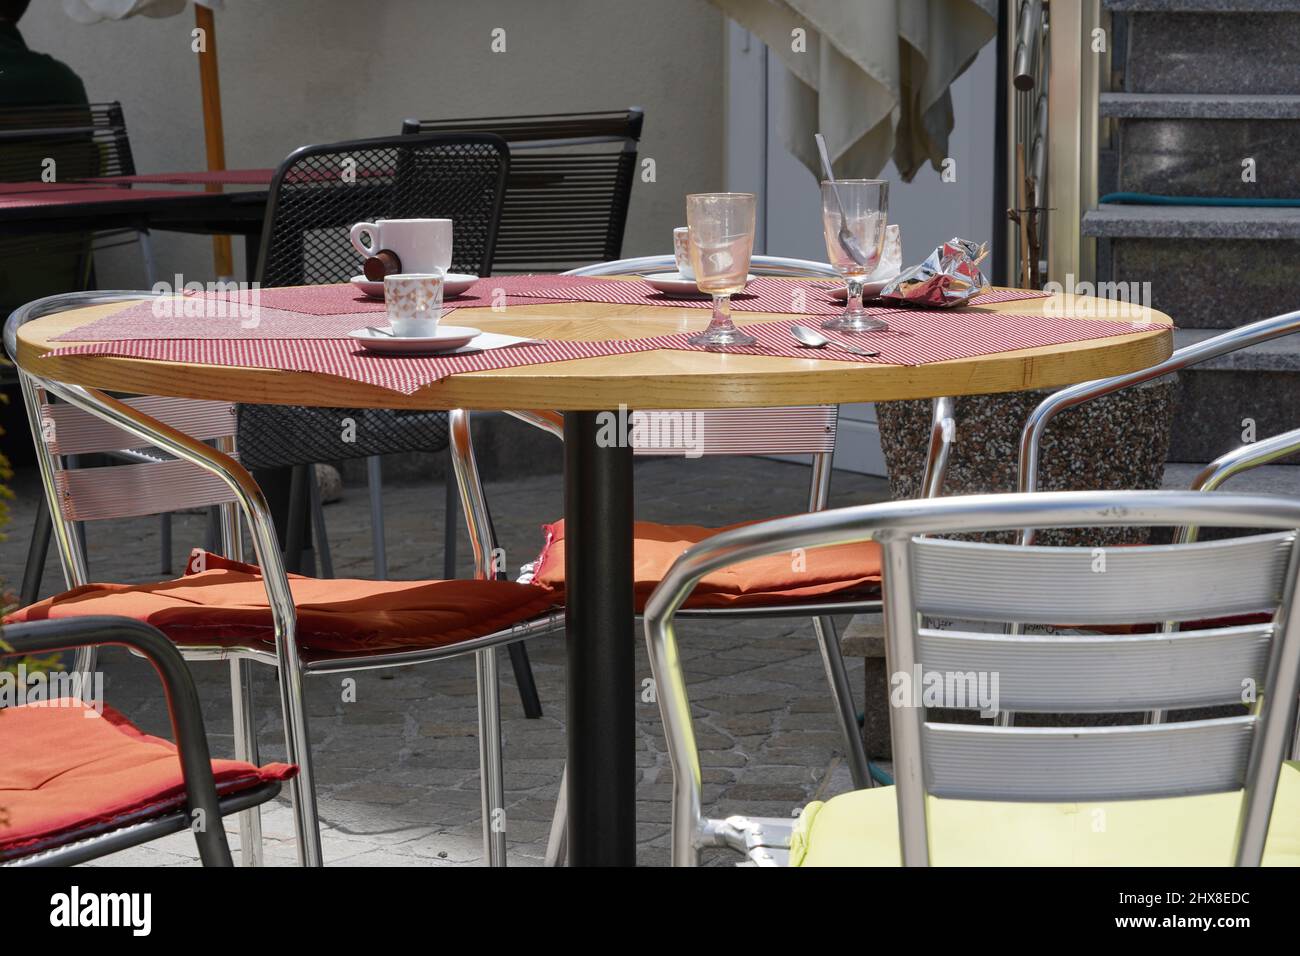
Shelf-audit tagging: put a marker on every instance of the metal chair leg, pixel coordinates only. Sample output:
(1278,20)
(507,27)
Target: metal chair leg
(491,772)
(837,675)
(245,729)
(37,552)
(557,844)
(320,532)
(375,481)
(302,788)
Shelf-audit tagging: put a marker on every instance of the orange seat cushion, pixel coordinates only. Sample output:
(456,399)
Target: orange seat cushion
(841,571)
(225,603)
(67,772)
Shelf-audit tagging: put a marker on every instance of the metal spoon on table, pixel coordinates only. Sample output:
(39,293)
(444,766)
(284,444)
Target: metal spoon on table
(847,240)
(815,340)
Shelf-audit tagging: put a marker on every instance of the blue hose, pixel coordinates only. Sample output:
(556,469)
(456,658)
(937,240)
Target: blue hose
(1151,199)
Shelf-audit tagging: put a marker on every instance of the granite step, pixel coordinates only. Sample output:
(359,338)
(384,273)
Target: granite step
(1210,267)
(1209,46)
(1198,144)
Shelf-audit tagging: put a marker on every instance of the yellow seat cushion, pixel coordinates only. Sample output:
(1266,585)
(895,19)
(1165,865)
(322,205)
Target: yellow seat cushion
(861,829)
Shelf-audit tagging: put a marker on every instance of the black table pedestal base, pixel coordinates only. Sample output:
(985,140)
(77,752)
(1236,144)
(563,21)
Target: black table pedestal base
(601,635)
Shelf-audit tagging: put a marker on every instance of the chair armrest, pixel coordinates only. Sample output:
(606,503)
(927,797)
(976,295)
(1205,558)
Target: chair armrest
(473,499)
(1231,341)
(182,704)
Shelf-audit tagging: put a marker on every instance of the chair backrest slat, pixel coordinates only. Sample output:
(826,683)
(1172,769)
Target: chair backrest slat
(70,431)
(1086,764)
(1038,585)
(808,430)
(129,491)
(1100,673)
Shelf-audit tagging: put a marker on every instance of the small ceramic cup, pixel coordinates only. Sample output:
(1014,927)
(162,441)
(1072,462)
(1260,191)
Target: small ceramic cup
(682,251)
(414,301)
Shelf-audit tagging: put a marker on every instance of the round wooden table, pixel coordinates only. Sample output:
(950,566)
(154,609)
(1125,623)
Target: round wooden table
(598,477)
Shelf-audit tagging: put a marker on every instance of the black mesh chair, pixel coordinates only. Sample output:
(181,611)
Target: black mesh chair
(569,185)
(312,207)
(317,194)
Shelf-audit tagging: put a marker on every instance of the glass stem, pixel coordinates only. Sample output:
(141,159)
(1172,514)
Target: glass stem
(854,286)
(722,312)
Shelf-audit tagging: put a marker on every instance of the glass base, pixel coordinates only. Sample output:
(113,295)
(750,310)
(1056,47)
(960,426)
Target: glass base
(855,322)
(722,337)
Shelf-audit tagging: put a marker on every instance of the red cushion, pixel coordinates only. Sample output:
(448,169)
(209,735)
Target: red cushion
(843,570)
(225,602)
(66,772)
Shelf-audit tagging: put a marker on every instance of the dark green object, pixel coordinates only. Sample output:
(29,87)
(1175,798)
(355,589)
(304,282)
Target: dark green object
(1151,199)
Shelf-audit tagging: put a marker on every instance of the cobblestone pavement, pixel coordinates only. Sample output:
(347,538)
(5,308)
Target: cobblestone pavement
(398,769)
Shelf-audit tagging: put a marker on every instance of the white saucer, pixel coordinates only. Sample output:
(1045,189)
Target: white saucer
(449,337)
(674,283)
(453,284)
(870,289)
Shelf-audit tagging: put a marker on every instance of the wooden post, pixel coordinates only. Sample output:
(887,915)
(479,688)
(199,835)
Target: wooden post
(213,135)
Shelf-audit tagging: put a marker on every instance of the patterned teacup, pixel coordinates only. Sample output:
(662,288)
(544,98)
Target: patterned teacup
(414,301)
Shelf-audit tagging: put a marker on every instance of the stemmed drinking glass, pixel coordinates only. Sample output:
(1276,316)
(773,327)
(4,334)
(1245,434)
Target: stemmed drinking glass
(854,215)
(722,238)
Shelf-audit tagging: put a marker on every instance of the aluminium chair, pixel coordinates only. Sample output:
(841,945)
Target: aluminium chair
(768,431)
(199,467)
(569,186)
(1202,792)
(80,141)
(103,785)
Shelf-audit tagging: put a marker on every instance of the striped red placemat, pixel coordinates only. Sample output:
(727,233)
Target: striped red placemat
(916,336)
(189,318)
(345,359)
(342,298)
(763,294)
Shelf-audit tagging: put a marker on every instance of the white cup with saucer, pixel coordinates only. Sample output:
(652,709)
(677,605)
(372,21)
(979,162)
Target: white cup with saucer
(421,245)
(414,303)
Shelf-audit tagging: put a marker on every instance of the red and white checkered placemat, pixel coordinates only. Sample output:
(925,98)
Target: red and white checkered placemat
(916,337)
(342,298)
(347,360)
(763,294)
(146,320)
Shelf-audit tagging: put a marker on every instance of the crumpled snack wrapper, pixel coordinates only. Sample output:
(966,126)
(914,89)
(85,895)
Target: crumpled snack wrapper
(949,277)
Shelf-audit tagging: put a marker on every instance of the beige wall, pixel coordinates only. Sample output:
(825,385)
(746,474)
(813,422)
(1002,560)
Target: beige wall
(304,71)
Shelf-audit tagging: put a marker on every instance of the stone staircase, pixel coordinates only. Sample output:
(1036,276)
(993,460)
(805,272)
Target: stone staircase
(1203,86)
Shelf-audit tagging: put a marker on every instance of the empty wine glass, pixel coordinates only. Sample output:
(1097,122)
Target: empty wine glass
(854,215)
(722,238)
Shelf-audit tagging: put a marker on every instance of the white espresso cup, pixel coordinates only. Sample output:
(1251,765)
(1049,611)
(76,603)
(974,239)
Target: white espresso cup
(414,303)
(682,251)
(422,245)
